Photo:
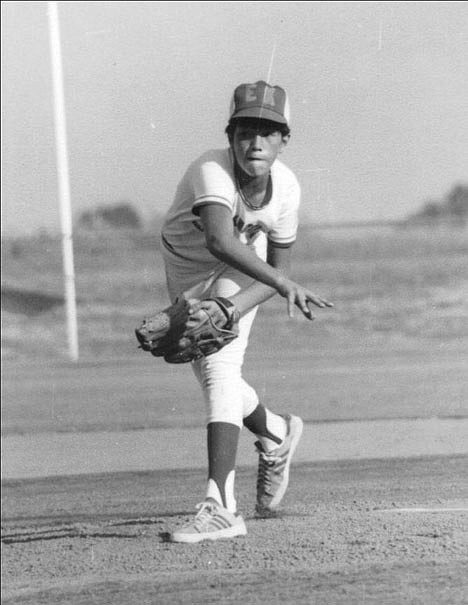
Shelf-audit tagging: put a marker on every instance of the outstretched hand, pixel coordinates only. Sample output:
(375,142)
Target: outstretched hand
(298,296)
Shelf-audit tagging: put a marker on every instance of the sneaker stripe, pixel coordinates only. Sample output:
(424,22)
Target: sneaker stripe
(220,522)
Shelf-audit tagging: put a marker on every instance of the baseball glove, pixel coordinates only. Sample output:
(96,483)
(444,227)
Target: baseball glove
(189,329)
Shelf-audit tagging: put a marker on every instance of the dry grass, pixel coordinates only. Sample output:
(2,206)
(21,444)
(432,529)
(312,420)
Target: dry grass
(387,280)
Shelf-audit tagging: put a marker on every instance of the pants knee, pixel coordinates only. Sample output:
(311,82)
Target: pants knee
(228,398)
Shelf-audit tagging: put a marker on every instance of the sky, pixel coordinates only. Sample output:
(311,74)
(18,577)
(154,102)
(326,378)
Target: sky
(378,94)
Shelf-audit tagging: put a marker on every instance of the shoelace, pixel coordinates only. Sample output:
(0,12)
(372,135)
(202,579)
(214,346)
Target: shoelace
(266,468)
(204,515)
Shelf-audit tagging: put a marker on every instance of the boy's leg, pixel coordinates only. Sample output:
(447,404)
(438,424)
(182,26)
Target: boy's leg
(222,441)
(216,517)
(220,378)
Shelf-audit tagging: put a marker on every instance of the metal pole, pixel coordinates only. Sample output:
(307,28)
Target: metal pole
(63,180)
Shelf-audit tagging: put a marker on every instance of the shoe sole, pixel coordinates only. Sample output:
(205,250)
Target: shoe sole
(296,427)
(229,532)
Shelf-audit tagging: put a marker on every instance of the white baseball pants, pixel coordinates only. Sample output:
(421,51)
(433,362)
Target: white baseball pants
(228,397)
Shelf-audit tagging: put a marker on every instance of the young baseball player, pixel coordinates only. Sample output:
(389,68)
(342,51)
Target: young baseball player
(229,233)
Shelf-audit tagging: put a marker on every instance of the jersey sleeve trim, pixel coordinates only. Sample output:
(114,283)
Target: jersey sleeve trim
(280,244)
(209,199)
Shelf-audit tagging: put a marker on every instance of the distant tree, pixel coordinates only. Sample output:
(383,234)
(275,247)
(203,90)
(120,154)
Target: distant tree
(431,210)
(457,201)
(86,219)
(121,215)
(452,208)
(117,216)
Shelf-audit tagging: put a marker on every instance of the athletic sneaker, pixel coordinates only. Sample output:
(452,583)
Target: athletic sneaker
(273,468)
(212,522)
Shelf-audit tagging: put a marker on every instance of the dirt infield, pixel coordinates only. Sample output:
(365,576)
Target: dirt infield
(350,532)
(389,531)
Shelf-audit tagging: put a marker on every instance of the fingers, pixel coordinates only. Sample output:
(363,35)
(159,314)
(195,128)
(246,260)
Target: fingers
(304,307)
(308,313)
(297,296)
(303,302)
(320,302)
(294,300)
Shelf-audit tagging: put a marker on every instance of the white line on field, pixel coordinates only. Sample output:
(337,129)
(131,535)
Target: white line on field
(422,510)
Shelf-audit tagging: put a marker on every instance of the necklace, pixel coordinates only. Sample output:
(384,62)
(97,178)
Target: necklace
(266,197)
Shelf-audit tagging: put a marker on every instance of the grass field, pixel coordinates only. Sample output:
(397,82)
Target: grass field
(395,345)
(387,283)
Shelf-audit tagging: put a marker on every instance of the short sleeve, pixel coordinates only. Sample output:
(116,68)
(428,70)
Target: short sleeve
(284,232)
(212,183)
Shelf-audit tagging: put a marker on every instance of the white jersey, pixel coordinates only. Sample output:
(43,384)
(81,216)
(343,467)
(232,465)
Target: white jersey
(211,180)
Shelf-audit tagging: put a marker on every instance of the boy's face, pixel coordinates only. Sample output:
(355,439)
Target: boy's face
(256,144)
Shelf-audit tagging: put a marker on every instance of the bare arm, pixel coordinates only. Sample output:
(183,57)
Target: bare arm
(258,293)
(222,243)
(220,240)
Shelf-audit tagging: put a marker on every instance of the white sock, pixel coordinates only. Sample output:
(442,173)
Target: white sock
(213,492)
(277,426)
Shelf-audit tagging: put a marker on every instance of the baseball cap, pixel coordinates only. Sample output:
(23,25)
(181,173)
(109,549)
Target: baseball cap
(260,100)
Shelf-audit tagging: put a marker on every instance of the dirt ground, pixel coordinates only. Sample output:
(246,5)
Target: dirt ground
(357,532)
(350,532)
